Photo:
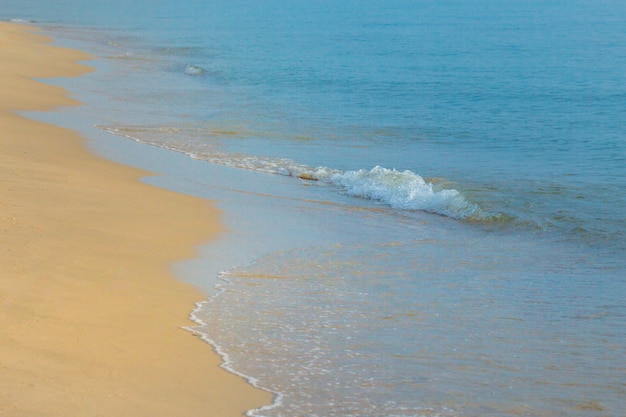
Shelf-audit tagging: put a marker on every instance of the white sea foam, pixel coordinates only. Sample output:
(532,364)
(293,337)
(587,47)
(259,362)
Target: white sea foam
(295,354)
(200,330)
(403,190)
(193,70)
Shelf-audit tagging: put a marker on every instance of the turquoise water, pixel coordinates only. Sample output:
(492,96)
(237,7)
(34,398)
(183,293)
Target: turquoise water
(444,230)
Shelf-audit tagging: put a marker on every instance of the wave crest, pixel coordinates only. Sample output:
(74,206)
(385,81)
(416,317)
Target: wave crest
(404,190)
(193,70)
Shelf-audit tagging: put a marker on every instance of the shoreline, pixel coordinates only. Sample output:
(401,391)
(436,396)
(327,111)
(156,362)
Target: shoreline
(95,317)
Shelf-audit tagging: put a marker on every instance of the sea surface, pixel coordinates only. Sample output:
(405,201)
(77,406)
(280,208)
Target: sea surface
(425,200)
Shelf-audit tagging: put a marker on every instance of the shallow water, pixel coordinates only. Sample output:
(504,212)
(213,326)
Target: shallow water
(443,229)
(489,326)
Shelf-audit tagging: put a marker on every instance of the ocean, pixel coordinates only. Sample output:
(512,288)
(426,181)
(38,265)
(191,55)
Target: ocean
(425,200)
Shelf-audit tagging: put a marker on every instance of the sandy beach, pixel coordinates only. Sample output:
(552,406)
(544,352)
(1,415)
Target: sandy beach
(91,316)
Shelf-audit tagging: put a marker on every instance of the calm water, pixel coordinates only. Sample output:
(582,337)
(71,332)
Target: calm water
(445,231)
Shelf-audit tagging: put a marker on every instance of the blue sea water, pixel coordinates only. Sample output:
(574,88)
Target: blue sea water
(445,230)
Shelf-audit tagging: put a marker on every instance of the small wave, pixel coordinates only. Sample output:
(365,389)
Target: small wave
(403,190)
(193,70)
(406,191)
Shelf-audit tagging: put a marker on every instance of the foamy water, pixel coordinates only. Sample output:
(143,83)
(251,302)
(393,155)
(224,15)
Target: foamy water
(444,334)
(402,190)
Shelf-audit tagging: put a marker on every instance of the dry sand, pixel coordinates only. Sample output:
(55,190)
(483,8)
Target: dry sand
(90,316)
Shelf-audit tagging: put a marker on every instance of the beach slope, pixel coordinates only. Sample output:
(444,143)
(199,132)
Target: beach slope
(90,316)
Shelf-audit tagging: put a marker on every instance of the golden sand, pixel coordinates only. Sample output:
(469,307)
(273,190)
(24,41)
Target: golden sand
(90,316)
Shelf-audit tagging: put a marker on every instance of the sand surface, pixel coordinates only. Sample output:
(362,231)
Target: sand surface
(90,315)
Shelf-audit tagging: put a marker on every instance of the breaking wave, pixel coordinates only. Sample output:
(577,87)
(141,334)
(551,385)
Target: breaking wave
(193,70)
(403,190)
